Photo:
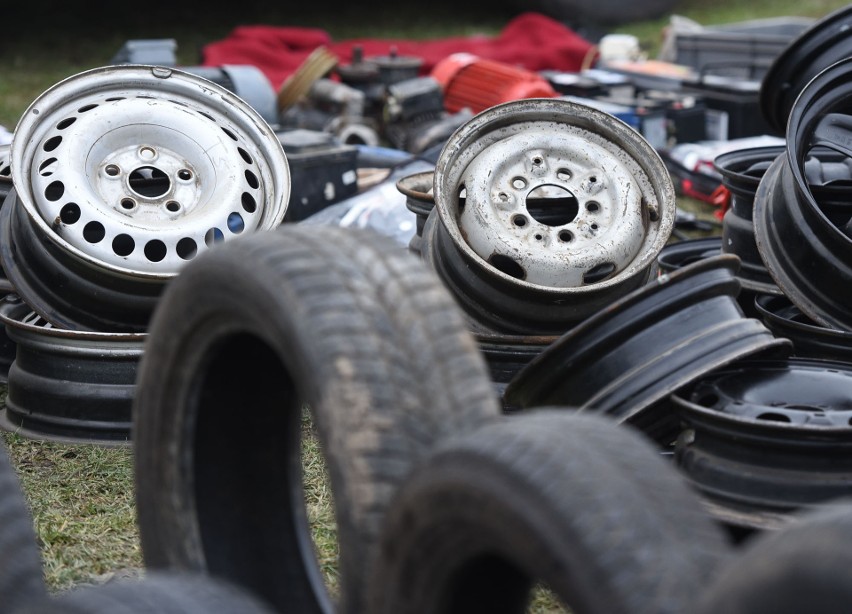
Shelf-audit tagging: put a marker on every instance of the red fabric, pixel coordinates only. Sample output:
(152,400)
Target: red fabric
(530,40)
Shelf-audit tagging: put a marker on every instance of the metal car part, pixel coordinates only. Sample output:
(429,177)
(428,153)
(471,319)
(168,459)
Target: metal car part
(626,360)
(810,340)
(767,437)
(123,175)
(741,172)
(821,45)
(804,233)
(68,386)
(552,203)
(420,200)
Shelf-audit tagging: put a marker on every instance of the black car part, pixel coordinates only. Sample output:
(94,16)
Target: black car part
(741,173)
(766,437)
(336,325)
(824,43)
(810,340)
(68,386)
(804,233)
(626,360)
(568,501)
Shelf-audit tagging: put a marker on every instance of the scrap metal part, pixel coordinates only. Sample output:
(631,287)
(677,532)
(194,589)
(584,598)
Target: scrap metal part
(626,360)
(767,437)
(125,173)
(68,386)
(804,233)
(555,205)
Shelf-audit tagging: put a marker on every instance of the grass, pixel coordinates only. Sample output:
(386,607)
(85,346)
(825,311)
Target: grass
(82,496)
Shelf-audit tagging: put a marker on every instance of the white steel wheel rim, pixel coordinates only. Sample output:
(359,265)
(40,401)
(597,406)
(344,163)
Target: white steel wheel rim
(625,203)
(137,169)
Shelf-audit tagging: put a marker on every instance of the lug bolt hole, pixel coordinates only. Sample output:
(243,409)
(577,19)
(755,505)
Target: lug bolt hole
(173,206)
(519,220)
(563,174)
(184,174)
(594,227)
(593,179)
(112,170)
(518,183)
(592,207)
(565,236)
(537,160)
(128,203)
(538,237)
(147,153)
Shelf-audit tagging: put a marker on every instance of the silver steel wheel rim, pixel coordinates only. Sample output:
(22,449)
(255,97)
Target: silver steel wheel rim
(625,199)
(137,169)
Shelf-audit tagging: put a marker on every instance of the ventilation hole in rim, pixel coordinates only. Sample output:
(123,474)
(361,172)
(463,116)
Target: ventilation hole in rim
(207,115)
(5,171)
(86,108)
(45,168)
(236,223)
(70,213)
(251,178)
(598,273)
(593,207)
(65,123)
(94,232)
(146,97)
(54,191)
(462,197)
(123,245)
(249,203)
(178,102)
(155,250)
(773,417)
(507,265)
(173,206)
(245,155)
(114,99)
(187,248)
(552,205)
(149,181)
(52,143)
(214,235)
(229,133)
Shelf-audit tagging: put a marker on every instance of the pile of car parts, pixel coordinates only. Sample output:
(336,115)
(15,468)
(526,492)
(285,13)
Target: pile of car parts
(121,176)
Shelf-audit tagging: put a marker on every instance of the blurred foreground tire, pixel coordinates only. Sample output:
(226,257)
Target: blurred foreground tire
(571,501)
(339,323)
(156,594)
(806,567)
(20,561)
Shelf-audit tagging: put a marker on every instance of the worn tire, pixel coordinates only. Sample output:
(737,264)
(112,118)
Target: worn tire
(806,567)
(342,321)
(155,594)
(552,497)
(20,560)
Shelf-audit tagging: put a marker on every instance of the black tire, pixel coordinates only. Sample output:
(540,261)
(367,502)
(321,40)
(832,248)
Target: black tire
(552,497)
(21,579)
(343,321)
(156,594)
(804,568)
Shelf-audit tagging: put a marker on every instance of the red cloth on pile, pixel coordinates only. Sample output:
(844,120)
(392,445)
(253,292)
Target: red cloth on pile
(530,40)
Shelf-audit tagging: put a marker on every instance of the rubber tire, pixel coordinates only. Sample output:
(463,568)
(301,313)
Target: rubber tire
(21,579)
(572,500)
(344,321)
(155,594)
(806,567)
